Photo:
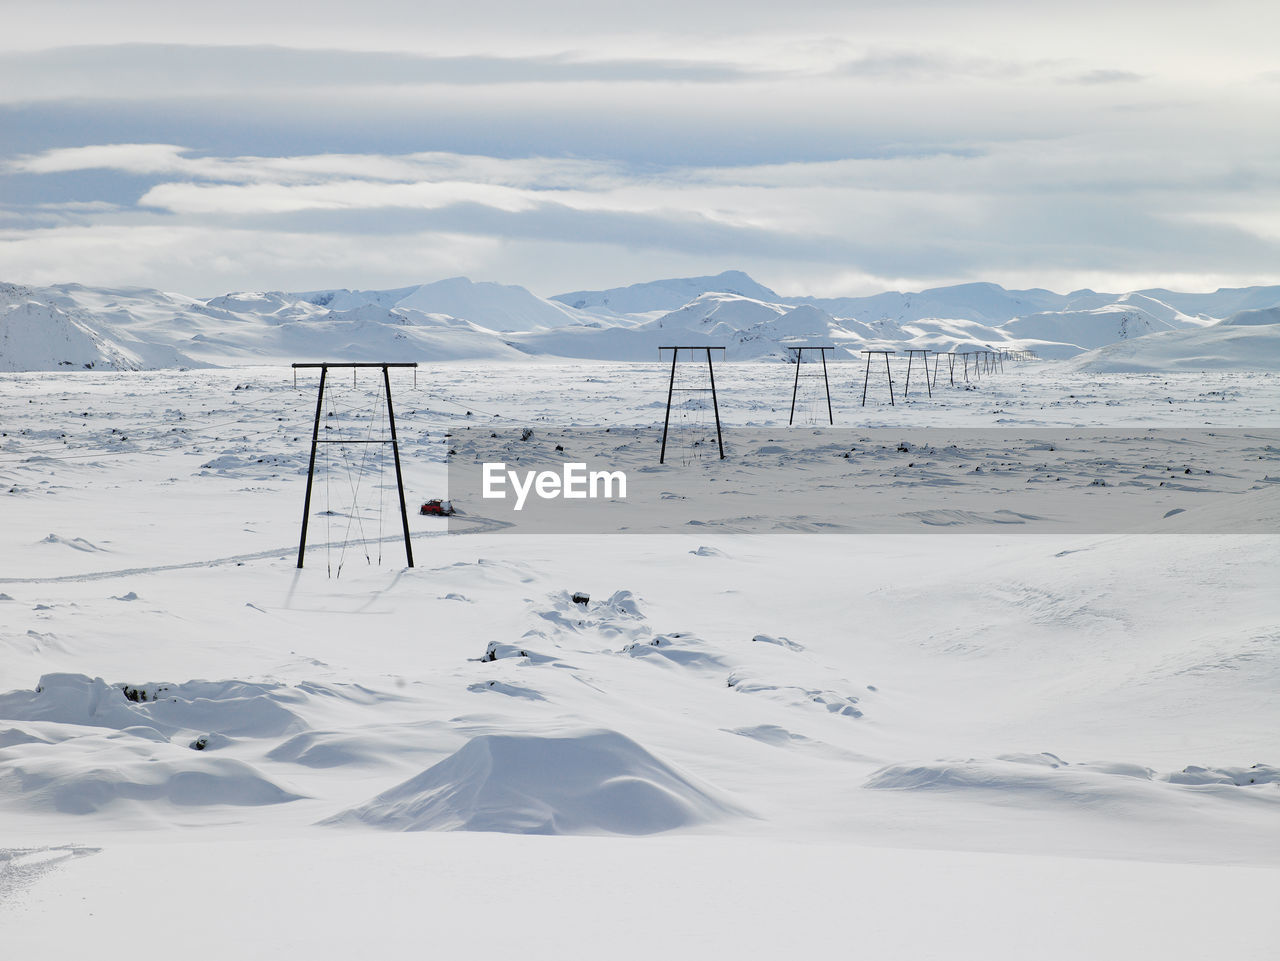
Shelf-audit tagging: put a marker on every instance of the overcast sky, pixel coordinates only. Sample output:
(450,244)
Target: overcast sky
(825,148)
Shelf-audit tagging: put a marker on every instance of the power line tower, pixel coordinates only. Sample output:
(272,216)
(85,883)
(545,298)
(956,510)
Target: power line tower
(317,441)
(795,387)
(866,377)
(685,410)
(911,356)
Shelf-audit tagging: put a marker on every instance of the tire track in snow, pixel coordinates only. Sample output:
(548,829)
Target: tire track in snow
(22,867)
(482,525)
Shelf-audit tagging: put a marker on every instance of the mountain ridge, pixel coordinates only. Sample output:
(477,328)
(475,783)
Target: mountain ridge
(74,325)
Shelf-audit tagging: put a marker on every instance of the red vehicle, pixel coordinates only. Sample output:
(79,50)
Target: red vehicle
(436,507)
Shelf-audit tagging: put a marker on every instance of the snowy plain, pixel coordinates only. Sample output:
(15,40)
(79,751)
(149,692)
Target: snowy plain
(990,743)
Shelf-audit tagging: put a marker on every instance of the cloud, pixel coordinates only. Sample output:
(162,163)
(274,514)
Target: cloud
(139,71)
(205,260)
(1262,221)
(272,198)
(169,160)
(1088,204)
(914,66)
(1104,76)
(1066,202)
(921,142)
(135,158)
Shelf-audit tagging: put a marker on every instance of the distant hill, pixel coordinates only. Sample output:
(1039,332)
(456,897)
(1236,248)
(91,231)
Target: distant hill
(1253,318)
(43,332)
(74,326)
(495,306)
(666,295)
(1219,347)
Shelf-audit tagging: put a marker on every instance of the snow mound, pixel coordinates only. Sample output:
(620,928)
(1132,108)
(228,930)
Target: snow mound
(94,745)
(777,642)
(833,702)
(232,708)
(325,749)
(510,690)
(89,774)
(680,649)
(1193,774)
(617,616)
(1029,773)
(1048,776)
(73,699)
(593,782)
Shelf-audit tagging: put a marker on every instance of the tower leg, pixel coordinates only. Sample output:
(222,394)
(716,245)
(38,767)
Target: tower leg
(662,457)
(715,403)
(796,386)
(395,449)
(311,467)
(830,416)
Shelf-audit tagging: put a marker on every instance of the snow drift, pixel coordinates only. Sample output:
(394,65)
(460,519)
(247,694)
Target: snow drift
(1030,778)
(98,772)
(234,708)
(92,745)
(594,782)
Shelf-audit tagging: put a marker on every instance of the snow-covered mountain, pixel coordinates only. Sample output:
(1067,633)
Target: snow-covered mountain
(495,306)
(1248,339)
(1253,318)
(1065,333)
(665,295)
(75,326)
(754,322)
(39,331)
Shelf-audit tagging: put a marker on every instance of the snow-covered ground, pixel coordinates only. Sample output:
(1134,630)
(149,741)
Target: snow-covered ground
(986,744)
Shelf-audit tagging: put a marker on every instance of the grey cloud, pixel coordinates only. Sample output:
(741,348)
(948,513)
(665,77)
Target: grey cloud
(45,216)
(664,230)
(143,70)
(1103,232)
(915,66)
(676,133)
(1100,77)
(683,235)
